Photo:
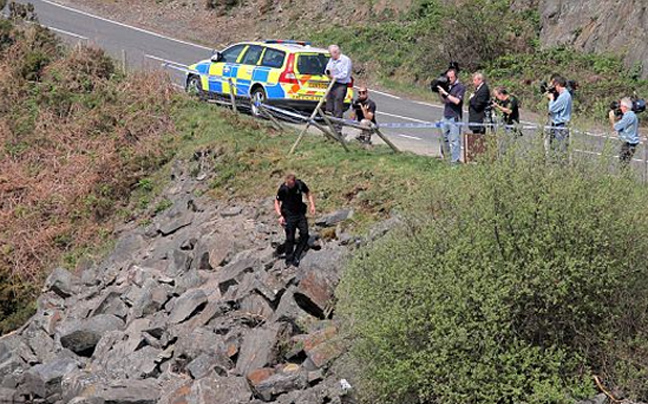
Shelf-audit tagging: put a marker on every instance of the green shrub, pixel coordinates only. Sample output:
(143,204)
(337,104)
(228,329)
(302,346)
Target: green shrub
(516,283)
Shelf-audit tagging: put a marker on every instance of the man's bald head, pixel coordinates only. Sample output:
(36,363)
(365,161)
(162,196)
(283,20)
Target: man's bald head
(335,52)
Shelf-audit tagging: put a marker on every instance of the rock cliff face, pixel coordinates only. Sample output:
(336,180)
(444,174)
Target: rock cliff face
(195,308)
(602,26)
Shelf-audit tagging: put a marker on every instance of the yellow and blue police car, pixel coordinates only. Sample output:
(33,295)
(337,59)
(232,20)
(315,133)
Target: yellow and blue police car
(282,73)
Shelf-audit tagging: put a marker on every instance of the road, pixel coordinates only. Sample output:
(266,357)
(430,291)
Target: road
(148,50)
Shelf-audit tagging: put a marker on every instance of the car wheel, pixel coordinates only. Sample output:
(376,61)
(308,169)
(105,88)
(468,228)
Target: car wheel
(194,87)
(258,96)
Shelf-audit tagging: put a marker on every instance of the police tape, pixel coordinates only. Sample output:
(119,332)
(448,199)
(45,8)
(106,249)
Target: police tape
(421,125)
(416,125)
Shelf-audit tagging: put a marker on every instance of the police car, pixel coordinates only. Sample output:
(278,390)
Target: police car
(288,74)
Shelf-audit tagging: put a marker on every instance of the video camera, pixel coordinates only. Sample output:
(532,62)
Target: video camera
(638,106)
(545,88)
(442,81)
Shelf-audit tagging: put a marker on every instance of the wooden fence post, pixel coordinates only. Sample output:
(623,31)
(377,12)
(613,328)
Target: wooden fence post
(312,117)
(232,91)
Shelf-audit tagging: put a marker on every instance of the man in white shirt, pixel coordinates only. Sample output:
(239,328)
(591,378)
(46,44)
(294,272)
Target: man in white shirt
(338,69)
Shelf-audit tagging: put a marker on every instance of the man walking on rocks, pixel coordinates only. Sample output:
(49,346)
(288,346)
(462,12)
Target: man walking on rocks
(291,209)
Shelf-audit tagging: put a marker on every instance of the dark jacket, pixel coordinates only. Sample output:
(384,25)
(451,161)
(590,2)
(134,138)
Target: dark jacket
(478,104)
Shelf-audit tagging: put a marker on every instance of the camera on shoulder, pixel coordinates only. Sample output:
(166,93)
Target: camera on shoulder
(443,81)
(572,86)
(638,106)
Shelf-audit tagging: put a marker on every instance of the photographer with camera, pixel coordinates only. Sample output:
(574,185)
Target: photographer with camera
(452,98)
(364,111)
(480,100)
(626,123)
(560,110)
(508,105)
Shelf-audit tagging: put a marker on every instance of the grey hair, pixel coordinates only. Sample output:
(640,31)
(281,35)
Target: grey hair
(479,75)
(627,102)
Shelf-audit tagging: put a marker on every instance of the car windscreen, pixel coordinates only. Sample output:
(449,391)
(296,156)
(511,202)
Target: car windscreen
(312,63)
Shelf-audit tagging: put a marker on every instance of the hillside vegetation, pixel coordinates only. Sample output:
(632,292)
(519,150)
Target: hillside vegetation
(84,147)
(408,49)
(515,281)
(75,137)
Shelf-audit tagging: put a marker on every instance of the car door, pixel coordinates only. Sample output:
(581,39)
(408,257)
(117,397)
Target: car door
(269,72)
(246,68)
(221,71)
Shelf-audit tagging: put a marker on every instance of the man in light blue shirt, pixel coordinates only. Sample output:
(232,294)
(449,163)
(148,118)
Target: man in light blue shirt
(560,110)
(339,69)
(627,126)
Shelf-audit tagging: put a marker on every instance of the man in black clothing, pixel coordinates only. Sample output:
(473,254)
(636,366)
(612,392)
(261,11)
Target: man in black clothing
(479,101)
(508,105)
(364,111)
(292,215)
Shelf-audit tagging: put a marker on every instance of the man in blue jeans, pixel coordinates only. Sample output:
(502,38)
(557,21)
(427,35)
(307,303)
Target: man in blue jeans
(452,115)
(560,110)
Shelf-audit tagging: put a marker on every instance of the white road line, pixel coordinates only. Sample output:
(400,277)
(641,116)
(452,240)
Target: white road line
(381,93)
(68,33)
(125,25)
(165,60)
(178,86)
(409,137)
(427,104)
(402,117)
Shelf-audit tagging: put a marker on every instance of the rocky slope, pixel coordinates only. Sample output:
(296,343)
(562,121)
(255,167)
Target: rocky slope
(601,26)
(194,308)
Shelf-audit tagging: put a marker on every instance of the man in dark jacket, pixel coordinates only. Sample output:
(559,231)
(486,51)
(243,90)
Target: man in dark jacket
(291,209)
(479,101)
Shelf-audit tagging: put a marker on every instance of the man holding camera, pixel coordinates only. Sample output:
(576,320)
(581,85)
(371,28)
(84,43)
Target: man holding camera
(338,69)
(452,115)
(364,111)
(508,105)
(560,110)
(627,126)
(479,101)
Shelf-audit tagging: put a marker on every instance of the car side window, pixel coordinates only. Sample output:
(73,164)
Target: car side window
(273,58)
(252,55)
(231,54)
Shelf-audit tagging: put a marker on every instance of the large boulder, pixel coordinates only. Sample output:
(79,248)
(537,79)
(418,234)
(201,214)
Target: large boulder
(289,311)
(268,385)
(45,380)
(10,396)
(233,273)
(221,390)
(190,303)
(334,218)
(316,293)
(62,282)
(123,392)
(262,347)
(82,336)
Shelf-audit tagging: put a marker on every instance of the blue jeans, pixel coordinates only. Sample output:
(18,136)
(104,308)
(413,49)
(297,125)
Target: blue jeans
(559,141)
(451,139)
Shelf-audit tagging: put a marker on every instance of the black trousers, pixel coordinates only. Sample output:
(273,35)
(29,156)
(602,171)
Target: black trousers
(627,153)
(335,102)
(294,223)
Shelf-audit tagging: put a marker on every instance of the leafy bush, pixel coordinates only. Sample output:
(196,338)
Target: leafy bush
(601,78)
(514,283)
(416,45)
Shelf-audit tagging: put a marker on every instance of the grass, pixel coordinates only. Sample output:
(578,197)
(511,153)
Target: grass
(252,159)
